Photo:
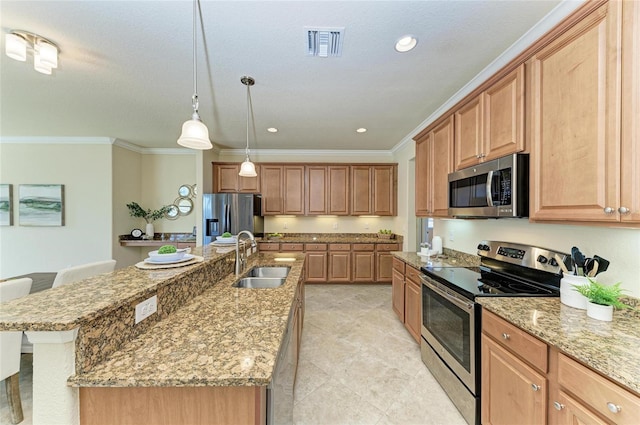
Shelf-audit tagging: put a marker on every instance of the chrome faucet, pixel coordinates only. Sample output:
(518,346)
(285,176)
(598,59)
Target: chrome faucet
(241,255)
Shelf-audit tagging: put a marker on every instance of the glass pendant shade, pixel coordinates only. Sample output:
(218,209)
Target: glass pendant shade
(247,169)
(39,66)
(195,135)
(15,47)
(48,54)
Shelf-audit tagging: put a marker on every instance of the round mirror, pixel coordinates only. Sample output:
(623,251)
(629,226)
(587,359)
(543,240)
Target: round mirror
(185,191)
(172,213)
(185,206)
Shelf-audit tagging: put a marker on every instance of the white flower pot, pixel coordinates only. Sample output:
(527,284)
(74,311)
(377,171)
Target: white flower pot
(149,231)
(600,312)
(568,294)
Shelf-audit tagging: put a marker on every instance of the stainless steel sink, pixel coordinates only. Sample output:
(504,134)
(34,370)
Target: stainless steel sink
(259,282)
(269,272)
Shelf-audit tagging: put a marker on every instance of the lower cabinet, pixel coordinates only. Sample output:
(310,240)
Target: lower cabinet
(363,262)
(339,263)
(406,296)
(384,262)
(316,262)
(397,293)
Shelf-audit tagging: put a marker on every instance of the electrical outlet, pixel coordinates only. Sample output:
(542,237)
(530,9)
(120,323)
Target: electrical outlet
(285,225)
(451,235)
(335,225)
(146,308)
(366,225)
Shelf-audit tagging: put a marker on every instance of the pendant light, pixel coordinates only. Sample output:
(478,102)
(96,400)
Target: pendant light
(195,134)
(248,169)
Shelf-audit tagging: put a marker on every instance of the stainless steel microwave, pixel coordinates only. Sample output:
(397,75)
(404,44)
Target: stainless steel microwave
(493,189)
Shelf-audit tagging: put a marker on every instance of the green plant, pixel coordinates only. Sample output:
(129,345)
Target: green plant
(226,235)
(385,231)
(167,249)
(136,210)
(601,294)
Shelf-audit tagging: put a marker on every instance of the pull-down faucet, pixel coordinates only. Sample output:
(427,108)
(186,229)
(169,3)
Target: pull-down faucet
(241,255)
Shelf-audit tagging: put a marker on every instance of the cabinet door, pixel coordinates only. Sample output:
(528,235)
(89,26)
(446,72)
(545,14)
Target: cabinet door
(568,411)
(629,209)
(361,190)
(510,388)
(423,175)
(504,116)
(397,294)
(384,266)
(442,164)
(316,266)
(338,193)
(575,121)
(468,134)
(293,189)
(363,266)
(384,189)
(412,308)
(339,266)
(316,199)
(225,178)
(272,193)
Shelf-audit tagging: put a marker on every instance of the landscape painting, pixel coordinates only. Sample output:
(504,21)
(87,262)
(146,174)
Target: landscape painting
(41,205)
(6,205)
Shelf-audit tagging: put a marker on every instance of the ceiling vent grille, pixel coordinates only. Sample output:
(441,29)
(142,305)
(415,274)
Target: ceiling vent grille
(324,42)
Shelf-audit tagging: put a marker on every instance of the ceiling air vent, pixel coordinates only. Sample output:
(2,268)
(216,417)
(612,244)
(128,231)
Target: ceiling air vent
(324,42)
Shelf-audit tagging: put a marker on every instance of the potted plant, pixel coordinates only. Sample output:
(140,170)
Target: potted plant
(601,299)
(385,234)
(149,216)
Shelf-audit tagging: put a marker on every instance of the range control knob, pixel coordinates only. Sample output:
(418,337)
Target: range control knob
(542,259)
(553,262)
(480,247)
(485,248)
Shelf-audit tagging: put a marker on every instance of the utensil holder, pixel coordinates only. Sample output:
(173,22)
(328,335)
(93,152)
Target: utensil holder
(568,294)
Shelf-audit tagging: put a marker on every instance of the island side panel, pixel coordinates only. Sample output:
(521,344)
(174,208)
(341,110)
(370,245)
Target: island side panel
(173,405)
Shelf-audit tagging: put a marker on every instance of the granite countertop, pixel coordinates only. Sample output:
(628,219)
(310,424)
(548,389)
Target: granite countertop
(331,238)
(450,258)
(610,348)
(225,337)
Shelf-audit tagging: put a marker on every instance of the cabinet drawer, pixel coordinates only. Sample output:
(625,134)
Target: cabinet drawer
(413,274)
(288,247)
(387,246)
(398,265)
(515,339)
(363,247)
(268,246)
(340,247)
(597,392)
(315,247)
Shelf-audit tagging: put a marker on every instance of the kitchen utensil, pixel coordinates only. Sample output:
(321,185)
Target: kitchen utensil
(578,260)
(594,269)
(603,264)
(563,266)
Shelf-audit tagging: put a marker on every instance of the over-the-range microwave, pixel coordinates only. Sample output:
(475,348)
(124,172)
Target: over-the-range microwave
(493,189)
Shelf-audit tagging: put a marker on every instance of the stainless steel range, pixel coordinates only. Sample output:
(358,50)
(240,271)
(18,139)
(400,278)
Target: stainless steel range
(450,343)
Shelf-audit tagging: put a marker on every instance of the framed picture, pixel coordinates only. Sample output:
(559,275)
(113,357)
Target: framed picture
(41,205)
(6,205)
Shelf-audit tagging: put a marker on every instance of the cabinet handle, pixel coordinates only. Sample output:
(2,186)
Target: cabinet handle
(535,387)
(506,335)
(613,408)
(608,210)
(624,210)
(558,406)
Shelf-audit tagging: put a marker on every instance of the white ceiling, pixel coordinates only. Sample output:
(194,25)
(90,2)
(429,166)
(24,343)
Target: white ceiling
(126,68)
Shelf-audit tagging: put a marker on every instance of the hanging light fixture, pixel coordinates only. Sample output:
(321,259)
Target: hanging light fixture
(45,52)
(195,134)
(248,169)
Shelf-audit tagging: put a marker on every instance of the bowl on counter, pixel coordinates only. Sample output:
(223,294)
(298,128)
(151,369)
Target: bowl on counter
(231,239)
(163,258)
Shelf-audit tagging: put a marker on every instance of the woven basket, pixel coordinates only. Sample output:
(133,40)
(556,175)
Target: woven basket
(386,236)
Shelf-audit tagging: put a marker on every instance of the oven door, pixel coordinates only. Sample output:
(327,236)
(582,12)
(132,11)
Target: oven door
(449,327)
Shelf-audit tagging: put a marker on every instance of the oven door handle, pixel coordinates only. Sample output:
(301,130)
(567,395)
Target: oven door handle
(488,188)
(455,300)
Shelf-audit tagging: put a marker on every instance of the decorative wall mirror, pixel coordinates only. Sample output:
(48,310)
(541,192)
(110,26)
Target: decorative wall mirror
(187,191)
(185,206)
(172,213)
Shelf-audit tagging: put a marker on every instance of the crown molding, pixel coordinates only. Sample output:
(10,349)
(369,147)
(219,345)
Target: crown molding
(57,140)
(264,153)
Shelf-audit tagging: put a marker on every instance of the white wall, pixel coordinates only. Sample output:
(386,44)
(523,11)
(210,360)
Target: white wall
(85,170)
(406,219)
(620,246)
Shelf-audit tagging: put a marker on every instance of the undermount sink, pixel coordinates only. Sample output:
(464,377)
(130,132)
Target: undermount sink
(269,272)
(259,282)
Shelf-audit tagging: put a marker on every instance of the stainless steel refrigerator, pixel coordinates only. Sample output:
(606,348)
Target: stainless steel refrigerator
(231,212)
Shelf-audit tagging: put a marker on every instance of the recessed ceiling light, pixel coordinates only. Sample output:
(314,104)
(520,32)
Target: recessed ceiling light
(272,130)
(361,130)
(406,43)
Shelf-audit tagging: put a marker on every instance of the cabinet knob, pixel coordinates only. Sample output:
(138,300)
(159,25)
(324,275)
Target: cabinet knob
(624,210)
(535,387)
(558,405)
(608,210)
(506,336)
(613,408)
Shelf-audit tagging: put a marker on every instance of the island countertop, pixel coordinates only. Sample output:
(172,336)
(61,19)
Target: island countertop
(610,348)
(224,337)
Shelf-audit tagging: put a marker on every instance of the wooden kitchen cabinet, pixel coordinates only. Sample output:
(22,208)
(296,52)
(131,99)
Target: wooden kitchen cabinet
(413,302)
(363,260)
(339,183)
(384,261)
(293,189)
(397,293)
(227,180)
(434,162)
(272,189)
(316,259)
(317,185)
(468,134)
(361,190)
(374,189)
(575,121)
(339,263)
(327,190)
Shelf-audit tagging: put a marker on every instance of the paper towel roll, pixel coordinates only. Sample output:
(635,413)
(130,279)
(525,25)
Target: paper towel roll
(436,244)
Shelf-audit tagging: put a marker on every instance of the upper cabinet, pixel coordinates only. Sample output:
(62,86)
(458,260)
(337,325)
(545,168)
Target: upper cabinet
(374,189)
(272,189)
(328,190)
(491,125)
(576,122)
(434,162)
(227,180)
(339,183)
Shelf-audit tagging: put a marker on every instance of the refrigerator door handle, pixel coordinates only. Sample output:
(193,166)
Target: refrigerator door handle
(227,221)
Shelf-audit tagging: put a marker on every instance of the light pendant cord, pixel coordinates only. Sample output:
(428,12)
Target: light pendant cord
(248,102)
(194,98)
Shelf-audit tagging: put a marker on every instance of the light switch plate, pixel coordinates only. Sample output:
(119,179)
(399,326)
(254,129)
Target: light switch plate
(146,308)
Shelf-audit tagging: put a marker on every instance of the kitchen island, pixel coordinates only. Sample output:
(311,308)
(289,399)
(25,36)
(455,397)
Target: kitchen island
(206,334)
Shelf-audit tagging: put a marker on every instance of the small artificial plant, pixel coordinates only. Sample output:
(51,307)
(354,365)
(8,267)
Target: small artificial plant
(149,216)
(601,294)
(385,232)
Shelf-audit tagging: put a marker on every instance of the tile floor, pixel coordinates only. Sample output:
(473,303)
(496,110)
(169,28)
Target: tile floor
(358,365)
